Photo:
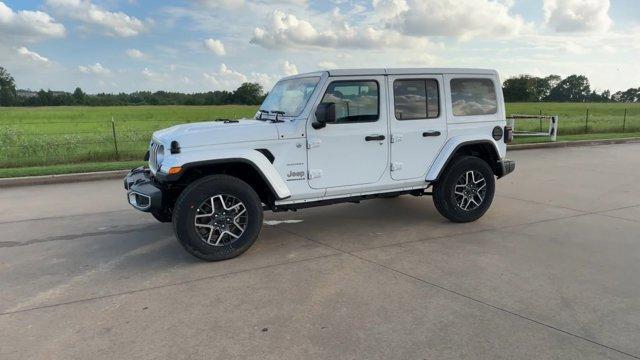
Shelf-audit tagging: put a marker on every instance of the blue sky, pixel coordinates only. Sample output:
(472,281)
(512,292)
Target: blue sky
(201,45)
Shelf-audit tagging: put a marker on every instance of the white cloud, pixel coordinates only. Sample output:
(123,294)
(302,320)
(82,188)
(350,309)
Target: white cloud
(228,79)
(243,4)
(32,56)
(154,76)
(225,78)
(96,69)
(288,31)
(223,4)
(135,54)
(115,23)
(267,81)
(388,9)
(28,25)
(465,19)
(215,46)
(577,15)
(289,69)
(327,65)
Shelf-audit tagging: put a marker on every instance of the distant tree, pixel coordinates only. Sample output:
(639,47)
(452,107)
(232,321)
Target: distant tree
(526,88)
(45,98)
(8,93)
(627,96)
(518,89)
(78,96)
(574,88)
(553,80)
(248,93)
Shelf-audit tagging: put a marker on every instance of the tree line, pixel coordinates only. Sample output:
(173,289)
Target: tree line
(522,88)
(245,94)
(574,88)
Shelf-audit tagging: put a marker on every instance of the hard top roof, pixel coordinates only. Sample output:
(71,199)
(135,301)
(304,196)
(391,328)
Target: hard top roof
(399,71)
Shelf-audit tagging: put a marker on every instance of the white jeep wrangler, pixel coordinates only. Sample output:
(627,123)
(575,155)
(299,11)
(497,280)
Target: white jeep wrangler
(327,137)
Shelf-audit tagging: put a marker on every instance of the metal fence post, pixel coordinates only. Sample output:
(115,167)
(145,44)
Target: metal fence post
(624,120)
(115,139)
(586,122)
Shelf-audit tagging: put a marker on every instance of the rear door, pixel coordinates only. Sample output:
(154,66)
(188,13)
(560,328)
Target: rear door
(417,122)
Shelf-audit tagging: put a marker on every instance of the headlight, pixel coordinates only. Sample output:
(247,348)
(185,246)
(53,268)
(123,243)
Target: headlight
(160,156)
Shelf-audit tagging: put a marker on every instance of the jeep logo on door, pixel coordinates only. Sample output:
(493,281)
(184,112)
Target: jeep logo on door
(295,175)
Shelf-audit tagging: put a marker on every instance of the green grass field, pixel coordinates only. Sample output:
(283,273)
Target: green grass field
(603,118)
(63,135)
(47,140)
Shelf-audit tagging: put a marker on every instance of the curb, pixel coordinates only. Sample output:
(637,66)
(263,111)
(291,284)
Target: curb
(119,174)
(62,178)
(563,144)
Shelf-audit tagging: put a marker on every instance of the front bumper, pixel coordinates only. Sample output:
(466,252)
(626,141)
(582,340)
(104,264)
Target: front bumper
(142,193)
(505,167)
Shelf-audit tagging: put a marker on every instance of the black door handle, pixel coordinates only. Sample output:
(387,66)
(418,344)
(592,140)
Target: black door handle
(374,137)
(431,133)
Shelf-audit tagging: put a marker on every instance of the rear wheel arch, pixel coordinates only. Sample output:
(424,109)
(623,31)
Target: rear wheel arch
(482,149)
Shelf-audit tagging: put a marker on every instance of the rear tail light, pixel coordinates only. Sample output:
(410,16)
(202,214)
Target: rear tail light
(508,134)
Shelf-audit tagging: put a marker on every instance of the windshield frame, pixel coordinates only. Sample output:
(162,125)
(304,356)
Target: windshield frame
(270,114)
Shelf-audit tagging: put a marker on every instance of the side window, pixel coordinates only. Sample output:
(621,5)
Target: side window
(356,101)
(416,99)
(473,97)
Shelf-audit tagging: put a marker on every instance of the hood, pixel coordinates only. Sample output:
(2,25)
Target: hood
(217,132)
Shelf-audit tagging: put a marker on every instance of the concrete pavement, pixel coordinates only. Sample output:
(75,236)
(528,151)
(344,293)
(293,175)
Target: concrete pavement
(550,272)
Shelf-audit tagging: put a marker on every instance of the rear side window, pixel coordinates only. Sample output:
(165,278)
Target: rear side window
(416,99)
(356,101)
(473,97)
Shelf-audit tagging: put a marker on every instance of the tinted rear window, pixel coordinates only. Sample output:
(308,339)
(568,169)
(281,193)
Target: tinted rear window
(473,97)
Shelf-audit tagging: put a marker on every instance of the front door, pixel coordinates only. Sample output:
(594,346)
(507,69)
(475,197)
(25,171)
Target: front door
(418,123)
(355,149)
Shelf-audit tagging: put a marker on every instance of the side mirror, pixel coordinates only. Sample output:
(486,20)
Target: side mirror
(325,113)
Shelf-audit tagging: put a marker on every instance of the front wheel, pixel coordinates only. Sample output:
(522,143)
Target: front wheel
(465,191)
(217,217)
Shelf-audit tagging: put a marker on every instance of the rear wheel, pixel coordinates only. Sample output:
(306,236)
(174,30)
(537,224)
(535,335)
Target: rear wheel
(465,191)
(217,217)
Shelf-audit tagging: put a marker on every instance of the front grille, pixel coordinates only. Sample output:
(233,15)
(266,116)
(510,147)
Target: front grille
(153,156)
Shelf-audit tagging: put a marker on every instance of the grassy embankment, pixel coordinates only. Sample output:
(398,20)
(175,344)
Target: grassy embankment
(56,140)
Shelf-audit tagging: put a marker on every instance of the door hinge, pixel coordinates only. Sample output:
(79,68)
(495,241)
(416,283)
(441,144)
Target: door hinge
(311,143)
(315,173)
(395,166)
(396,138)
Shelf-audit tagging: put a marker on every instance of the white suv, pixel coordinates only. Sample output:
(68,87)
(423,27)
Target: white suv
(327,137)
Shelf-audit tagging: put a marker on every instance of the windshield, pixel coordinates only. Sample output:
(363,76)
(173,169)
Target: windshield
(290,96)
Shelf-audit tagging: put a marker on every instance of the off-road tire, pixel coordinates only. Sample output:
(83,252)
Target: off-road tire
(162,215)
(184,216)
(444,197)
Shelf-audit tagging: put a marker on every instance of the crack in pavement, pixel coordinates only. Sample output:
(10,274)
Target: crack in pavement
(135,228)
(61,217)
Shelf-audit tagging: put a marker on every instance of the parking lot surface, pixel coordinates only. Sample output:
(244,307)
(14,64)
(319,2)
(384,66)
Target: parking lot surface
(550,272)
